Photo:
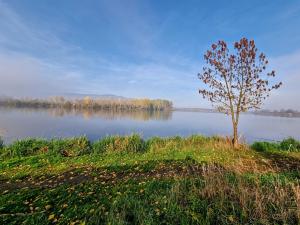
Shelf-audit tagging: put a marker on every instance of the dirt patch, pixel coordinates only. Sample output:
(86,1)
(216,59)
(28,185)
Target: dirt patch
(282,163)
(85,174)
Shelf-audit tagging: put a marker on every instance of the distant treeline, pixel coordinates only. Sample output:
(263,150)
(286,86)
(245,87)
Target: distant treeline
(89,103)
(282,113)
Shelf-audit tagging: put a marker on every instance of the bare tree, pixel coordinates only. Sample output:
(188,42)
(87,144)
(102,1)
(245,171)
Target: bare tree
(238,82)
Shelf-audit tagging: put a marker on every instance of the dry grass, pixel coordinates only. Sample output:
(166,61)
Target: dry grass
(236,200)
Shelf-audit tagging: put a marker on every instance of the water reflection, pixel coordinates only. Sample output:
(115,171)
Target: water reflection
(18,123)
(139,115)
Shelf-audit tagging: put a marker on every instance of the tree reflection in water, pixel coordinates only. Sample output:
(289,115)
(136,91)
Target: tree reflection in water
(107,114)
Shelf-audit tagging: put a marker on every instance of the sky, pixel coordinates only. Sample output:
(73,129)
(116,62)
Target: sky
(139,48)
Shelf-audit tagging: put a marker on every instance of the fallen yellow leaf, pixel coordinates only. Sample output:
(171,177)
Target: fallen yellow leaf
(51,217)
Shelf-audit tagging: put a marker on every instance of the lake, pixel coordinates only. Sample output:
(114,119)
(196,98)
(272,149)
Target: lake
(18,123)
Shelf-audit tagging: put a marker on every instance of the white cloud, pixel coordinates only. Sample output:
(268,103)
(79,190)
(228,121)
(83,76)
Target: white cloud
(21,75)
(287,68)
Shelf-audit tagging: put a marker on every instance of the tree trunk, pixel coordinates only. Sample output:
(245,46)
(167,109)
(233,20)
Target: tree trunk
(235,140)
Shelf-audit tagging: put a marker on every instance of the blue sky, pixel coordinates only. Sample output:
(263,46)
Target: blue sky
(138,48)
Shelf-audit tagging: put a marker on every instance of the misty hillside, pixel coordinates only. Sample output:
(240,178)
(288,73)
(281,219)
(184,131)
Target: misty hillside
(104,96)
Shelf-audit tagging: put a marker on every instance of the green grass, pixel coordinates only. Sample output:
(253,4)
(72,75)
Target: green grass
(289,144)
(128,180)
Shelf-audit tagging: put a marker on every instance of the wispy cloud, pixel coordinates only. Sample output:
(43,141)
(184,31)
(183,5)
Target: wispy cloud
(38,60)
(65,67)
(32,59)
(18,34)
(287,68)
(21,75)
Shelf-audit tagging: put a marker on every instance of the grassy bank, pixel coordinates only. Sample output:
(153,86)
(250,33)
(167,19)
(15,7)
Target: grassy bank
(127,180)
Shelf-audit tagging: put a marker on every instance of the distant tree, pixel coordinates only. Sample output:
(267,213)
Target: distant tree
(87,101)
(236,82)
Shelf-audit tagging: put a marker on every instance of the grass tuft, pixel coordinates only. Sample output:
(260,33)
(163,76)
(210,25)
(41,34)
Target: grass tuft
(120,144)
(289,144)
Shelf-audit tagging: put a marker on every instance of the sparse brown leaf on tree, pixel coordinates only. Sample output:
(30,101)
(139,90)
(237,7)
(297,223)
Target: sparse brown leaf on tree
(236,82)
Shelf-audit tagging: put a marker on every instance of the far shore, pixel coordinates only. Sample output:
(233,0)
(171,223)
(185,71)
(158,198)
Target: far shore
(281,113)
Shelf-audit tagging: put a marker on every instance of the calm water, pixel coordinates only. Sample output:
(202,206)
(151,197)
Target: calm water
(21,123)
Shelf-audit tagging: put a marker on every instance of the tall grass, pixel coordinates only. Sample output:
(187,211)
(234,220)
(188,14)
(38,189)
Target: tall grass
(119,144)
(289,144)
(224,198)
(69,147)
(76,146)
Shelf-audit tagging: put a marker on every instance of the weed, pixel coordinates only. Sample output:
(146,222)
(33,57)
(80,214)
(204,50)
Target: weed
(114,144)
(264,146)
(289,144)
(70,146)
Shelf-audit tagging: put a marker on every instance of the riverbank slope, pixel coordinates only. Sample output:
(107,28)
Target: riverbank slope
(126,180)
